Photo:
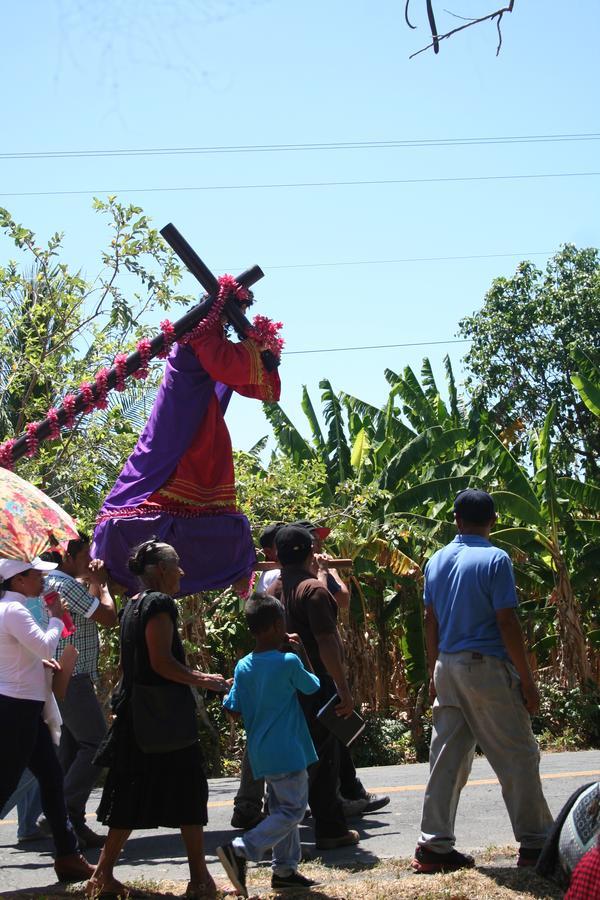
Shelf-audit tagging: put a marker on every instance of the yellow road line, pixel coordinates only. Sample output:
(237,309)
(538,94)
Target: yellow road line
(400,789)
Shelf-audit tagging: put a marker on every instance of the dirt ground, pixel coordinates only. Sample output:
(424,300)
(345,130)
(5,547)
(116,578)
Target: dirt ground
(495,878)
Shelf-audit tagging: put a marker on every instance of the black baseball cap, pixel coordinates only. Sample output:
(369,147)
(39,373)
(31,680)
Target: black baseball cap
(317,531)
(267,535)
(474,506)
(293,544)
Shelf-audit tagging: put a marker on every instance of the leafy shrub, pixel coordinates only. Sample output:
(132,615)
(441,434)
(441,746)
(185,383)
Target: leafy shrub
(569,718)
(384,742)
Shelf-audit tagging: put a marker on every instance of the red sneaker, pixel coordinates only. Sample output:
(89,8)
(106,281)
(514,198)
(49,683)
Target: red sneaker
(426,862)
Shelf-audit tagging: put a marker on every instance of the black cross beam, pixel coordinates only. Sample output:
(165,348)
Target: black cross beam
(182,326)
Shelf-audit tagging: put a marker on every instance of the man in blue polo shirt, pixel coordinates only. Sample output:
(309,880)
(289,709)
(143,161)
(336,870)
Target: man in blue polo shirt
(483,687)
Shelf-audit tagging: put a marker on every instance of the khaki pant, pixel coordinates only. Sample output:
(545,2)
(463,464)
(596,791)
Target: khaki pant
(479,702)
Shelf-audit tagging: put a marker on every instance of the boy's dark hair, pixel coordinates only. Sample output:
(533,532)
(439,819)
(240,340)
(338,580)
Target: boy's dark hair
(77,544)
(54,556)
(262,611)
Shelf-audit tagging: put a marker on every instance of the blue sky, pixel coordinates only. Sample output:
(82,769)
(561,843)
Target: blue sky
(79,75)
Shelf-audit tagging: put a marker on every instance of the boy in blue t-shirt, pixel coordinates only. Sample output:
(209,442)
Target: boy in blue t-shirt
(278,742)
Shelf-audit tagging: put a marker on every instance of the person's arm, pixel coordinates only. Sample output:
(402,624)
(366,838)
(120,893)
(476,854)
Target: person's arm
(239,366)
(326,575)
(512,635)
(293,643)
(21,625)
(106,611)
(330,651)
(159,640)
(303,680)
(231,703)
(432,646)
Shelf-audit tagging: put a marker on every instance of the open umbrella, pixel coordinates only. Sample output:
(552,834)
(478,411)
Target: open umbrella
(29,519)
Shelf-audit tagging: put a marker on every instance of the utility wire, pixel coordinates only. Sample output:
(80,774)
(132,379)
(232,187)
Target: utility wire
(375,347)
(294,148)
(408,259)
(303,184)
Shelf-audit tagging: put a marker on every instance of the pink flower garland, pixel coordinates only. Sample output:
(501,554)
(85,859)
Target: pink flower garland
(69,408)
(32,439)
(101,388)
(227,286)
(266,332)
(54,424)
(243,595)
(121,367)
(143,348)
(87,394)
(6,454)
(169,338)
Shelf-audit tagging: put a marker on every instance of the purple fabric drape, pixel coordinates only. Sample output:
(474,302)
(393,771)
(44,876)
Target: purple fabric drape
(215,550)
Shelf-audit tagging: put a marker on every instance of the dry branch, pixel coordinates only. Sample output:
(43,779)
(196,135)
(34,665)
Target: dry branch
(437,38)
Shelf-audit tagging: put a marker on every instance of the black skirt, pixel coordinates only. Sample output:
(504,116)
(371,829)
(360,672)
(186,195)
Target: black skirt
(151,790)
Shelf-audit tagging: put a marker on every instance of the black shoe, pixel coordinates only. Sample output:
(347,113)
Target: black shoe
(294,880)
(528,857)
(374,802)
(88,838)
(245,823)
(36,835)
(235,866)
(426,862)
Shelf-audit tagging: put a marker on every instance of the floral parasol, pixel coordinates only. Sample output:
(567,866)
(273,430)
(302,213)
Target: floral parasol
(28,519)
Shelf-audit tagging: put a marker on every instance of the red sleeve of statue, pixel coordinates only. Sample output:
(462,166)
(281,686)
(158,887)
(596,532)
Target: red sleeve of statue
(239,366)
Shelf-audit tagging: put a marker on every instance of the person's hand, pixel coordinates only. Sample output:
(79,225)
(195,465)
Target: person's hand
(432,690)
(97,573)
(57,607)
(322,560)
(52,664)
(531,696)
(294,639)
(345,707)
(215,683)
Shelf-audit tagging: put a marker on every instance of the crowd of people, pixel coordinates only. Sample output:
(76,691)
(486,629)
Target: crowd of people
(482,689)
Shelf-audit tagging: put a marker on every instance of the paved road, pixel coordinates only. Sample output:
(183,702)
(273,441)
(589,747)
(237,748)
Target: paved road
(482,822)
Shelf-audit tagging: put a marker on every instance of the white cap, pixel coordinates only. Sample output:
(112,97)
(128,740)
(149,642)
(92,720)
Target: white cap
(10,567)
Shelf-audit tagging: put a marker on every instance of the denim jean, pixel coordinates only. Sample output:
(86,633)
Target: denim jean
(26,797)
(287,797)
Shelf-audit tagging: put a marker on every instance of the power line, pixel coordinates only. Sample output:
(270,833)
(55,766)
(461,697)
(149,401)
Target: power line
(375,347)
(407,259)
(294,148)
(303,184)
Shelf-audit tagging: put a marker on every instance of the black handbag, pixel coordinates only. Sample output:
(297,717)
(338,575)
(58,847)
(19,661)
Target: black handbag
(163,715)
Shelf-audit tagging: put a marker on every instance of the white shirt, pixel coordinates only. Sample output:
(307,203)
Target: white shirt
(267,578)
(23,646)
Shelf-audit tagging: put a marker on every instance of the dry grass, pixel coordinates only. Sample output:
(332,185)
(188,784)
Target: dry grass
(496,878)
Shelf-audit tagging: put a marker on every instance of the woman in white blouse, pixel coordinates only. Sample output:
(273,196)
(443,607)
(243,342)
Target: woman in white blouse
(26,740)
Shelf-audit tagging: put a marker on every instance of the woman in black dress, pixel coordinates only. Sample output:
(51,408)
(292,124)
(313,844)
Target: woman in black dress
(153,789)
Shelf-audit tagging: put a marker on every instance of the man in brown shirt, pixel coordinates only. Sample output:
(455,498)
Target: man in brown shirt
(311,612)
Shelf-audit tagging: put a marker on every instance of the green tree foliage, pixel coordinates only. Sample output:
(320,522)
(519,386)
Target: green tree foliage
(520,361)
(58,328)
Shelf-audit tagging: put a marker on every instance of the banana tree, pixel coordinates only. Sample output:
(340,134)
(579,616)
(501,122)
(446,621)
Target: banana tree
(587,379)
(541,525)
